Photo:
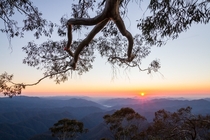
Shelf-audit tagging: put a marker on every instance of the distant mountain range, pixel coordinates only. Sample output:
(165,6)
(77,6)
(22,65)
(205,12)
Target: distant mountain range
(24,118)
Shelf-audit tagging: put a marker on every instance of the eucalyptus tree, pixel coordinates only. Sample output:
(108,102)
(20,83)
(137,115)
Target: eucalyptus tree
(67,129)
(182,124)
(126,124)
(167,19)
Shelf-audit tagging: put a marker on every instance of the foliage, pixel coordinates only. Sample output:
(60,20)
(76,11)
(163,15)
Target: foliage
(179,125)
(33,19)
(67,129)
(124,123)
(7,87)
(171,17)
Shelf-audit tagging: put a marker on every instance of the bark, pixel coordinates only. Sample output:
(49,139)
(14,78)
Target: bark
(110,12)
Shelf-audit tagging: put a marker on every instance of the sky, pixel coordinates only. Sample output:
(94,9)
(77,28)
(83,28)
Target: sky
(184,72)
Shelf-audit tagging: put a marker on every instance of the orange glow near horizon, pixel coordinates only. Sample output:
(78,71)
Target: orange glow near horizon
(114,90)
(59,90)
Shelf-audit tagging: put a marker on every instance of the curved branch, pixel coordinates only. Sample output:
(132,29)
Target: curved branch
(50,75)
(123,60)
(111,11)
(93,21)
(67,48)
(81,21)
(87,40)
(86,21)
(121,26)
(16,88)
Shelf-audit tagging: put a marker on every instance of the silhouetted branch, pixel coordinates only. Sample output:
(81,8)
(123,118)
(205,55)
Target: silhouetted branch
(10,88)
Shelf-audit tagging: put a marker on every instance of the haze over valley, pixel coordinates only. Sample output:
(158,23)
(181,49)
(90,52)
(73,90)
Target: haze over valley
(23,118)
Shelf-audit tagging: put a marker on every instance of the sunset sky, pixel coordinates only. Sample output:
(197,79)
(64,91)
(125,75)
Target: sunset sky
(185,64)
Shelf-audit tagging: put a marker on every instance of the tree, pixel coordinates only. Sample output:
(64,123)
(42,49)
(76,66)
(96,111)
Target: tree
(66,129)
(125,124)
(179,125)
(57,58)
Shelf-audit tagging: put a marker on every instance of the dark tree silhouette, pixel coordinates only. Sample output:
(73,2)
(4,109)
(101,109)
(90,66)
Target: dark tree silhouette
(179,125)
(57,58)
(66,129)
(182,124)
(125,124)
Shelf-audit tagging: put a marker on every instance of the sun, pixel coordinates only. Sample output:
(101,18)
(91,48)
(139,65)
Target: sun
(142,93)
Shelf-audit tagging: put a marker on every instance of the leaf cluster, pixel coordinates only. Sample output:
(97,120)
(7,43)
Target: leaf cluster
(67,128)
(179,125)
(182,124)
(7,87)
(33,20)
(124,123)
(169,18)
(50,57)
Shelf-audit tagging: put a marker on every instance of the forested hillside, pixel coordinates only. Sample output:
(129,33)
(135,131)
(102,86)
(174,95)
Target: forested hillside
(23,118)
